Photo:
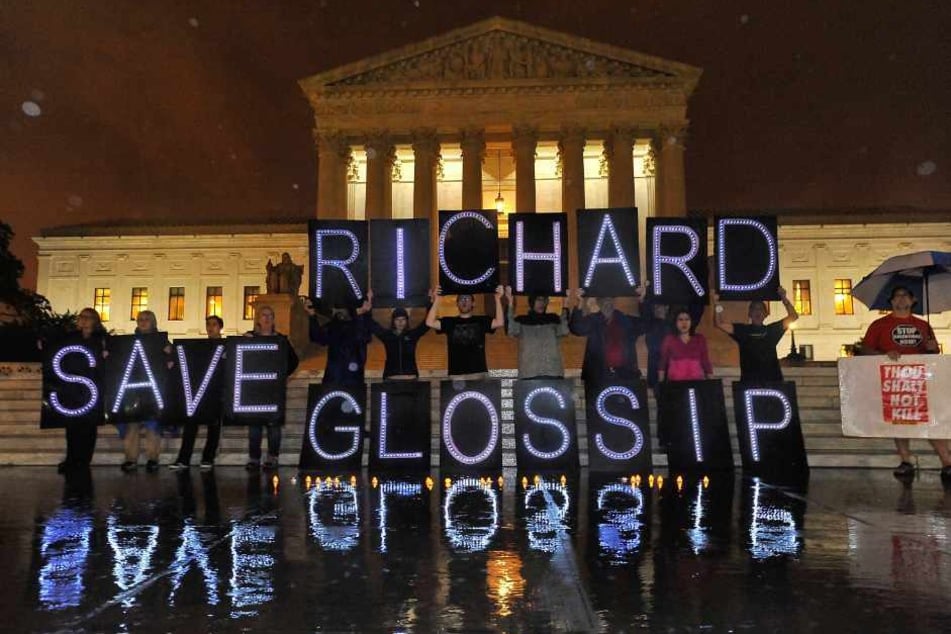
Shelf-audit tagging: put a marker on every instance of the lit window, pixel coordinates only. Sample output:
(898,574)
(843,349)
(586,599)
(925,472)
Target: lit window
(213,301)
(250,296)
(102,302)
(176,303)
(140,301)
(843,297)
(802,297)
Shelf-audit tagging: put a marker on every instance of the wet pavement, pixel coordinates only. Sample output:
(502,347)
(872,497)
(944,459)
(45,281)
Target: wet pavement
(222,551)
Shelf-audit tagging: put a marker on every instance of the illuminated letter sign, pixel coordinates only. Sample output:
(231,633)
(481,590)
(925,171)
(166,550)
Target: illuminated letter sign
(468,252)
(747,258)
(201,382)
(693,416)
(70,391)
(338,261)
(467,408)
(677,259)
(619,428)
(399,426)
(545,432)
(136,375)
(537,246)
(769,432)
(399,262)
(333,436)
(608,251)
(257,377)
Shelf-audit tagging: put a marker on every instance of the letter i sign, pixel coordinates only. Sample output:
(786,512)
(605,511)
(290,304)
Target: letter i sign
(904,394)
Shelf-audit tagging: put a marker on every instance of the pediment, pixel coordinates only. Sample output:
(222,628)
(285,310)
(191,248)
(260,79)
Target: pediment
(500,51)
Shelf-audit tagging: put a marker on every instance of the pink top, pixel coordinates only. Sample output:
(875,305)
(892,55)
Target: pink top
(685,361)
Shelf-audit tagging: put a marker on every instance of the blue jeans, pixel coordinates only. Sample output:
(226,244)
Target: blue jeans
(256,434)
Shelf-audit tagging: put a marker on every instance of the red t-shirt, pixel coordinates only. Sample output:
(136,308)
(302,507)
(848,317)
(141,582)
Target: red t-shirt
(907,335)
(614,344)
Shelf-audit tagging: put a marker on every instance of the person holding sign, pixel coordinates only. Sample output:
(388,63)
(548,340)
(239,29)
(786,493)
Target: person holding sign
(213,327)
(465,335)
(81,435)
(264,327)
(400,342)
(538,333)
(145,324)
(346,336)
(897,333)
(609,352)
(683,353)
(758,359)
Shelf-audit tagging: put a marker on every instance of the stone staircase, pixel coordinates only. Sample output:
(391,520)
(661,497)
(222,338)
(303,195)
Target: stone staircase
(22,442)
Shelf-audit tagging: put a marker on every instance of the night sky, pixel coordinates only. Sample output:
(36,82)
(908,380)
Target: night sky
(188,110)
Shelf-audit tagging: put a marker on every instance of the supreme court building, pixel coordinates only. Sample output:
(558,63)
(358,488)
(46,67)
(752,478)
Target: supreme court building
(499,114)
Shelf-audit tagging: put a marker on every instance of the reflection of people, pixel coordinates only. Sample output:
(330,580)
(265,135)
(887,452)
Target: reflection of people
(683,353)
(758,359)
(897,333)
(145,323)
(400,342)
(538,333)
(346,336)
(264,327)
(609,352)
(213,326)
(465,335)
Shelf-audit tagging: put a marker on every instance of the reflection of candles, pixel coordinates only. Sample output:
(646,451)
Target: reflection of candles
(447,482)
(501,482)
(524,482)
(650,481)
(374,482)
(660,482)
(504,580)
(429,483)
(680,483)
(353,480)
(706,482)
(307,482)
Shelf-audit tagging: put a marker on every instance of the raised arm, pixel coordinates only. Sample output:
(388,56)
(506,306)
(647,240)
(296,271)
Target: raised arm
(431,320)
(705,357)
(718,319)
(499,319)
(791,314)
(514,328)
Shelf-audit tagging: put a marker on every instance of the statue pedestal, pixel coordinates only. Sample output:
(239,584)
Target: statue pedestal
(290,318)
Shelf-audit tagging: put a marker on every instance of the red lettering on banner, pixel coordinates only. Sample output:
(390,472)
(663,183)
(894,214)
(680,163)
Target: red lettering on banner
(904,394)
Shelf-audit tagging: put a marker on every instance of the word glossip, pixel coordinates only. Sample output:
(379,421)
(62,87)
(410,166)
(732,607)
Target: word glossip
(347,257)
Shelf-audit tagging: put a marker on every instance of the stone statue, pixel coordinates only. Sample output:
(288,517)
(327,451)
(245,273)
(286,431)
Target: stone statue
(284,278)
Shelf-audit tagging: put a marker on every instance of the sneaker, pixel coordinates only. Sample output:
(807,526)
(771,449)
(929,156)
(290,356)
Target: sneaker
(253,465)
(151,466)
(904,470)
(178,466)
(128,466)
(205,466)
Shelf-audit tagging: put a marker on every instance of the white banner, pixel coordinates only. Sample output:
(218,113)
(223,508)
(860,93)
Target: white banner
(908,398)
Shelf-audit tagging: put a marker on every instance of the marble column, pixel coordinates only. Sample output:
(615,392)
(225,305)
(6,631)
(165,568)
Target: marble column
(473,152)
(426,161)
(571,149)
(380,155)
(524,143)
(333,159)
(619,150)
(670,180)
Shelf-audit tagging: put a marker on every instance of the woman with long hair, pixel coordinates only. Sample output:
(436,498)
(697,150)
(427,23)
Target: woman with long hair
(683,353)
(264,327)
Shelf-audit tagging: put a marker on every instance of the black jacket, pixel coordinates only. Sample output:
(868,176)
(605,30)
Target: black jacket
(400,349)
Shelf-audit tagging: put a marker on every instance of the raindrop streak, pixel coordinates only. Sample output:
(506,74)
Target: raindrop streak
(31,109)
(926,168)
(193,22)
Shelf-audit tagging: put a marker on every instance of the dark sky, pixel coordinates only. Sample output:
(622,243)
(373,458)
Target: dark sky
(188,110)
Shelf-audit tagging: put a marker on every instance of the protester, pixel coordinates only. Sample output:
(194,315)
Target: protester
(656,328)
(400,341)
(757,342)
(465,335)
(346,336)
(683,355)
(213,327)
(264,327)
(895,334)
(131,433)
(538,333)
(81,435)
(609,352)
